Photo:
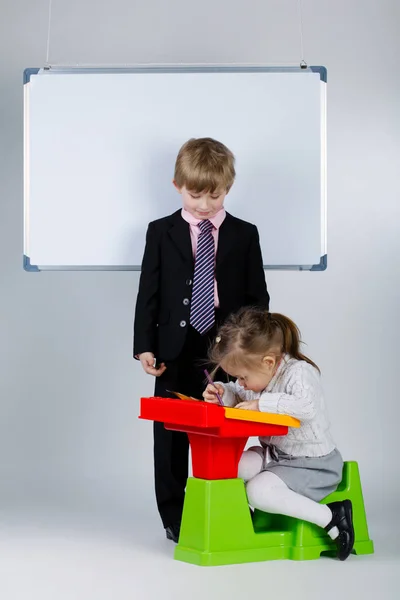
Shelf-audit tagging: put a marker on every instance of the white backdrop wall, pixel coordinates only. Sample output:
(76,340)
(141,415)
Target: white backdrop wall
(69,389)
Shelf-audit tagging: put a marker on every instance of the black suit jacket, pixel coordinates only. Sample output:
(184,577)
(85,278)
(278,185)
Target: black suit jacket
(165,288)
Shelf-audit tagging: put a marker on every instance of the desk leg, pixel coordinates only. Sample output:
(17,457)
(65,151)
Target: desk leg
(215,457)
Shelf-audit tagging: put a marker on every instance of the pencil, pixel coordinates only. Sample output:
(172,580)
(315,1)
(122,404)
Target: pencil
(210,381)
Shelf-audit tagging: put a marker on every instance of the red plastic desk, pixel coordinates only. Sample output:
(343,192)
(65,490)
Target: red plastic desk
(216,441)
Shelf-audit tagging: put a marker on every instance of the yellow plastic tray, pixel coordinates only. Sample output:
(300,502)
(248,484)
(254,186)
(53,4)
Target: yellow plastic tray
(260,417)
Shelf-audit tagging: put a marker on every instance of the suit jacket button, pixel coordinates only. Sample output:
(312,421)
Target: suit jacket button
(189,282)
(182,323)
(186,301)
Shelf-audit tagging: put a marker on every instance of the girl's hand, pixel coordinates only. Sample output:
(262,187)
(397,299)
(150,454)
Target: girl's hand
(251,405)
(149,364)
(210,393)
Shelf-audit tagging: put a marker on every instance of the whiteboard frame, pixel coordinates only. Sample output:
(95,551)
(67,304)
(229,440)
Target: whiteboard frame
(29,72)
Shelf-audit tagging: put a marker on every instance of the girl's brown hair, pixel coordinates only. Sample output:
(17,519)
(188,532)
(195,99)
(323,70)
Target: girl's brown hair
(252,333)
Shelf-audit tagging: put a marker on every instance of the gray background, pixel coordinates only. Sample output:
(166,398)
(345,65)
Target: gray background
(78,518)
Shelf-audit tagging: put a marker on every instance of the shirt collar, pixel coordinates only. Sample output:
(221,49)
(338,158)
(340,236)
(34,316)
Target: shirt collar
(216,220)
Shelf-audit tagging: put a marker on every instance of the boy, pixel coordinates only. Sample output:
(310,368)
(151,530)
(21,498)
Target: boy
(200,265)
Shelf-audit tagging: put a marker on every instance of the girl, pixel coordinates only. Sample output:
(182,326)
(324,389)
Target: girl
(287,474)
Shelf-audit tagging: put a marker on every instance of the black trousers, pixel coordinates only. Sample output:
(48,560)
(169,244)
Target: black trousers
(171,448)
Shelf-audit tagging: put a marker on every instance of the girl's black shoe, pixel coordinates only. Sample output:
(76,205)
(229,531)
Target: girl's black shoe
(342,518)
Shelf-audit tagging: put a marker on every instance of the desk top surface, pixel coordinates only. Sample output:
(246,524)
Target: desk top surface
(202,415)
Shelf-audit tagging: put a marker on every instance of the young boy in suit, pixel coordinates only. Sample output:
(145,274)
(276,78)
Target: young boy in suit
(200,265)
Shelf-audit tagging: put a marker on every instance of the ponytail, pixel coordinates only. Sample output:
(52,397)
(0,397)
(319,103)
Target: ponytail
(291,337)
(253,332)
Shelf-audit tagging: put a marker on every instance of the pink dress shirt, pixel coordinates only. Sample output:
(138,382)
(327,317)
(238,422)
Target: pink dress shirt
(217,221)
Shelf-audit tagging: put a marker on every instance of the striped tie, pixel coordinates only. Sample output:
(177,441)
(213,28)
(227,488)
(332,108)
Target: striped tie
(202,313)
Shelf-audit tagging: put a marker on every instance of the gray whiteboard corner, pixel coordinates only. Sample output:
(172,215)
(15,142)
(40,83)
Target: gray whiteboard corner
(28,267)
(29,72)
(323,73)
(322,265)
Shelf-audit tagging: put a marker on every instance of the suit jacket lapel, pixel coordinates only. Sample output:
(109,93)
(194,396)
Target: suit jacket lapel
(227,239)
(180,235)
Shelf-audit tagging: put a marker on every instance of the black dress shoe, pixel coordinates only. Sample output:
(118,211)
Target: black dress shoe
(173,531)
(342,518)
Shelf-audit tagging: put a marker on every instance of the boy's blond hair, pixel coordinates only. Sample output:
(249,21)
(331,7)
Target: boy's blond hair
(205,165)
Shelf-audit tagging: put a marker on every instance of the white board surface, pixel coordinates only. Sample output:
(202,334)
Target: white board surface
(100,148)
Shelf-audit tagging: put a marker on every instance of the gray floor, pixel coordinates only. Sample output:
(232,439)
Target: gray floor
(76,554)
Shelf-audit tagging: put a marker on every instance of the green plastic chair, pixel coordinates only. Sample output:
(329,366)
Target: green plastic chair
(218,529)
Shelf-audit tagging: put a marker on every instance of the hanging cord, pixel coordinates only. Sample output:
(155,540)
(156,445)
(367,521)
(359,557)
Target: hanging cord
(303,64)
(47,64)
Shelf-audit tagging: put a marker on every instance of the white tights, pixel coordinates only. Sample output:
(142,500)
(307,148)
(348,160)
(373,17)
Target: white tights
(267,492)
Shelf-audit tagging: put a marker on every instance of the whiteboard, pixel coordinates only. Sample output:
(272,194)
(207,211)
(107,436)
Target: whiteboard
(101,144)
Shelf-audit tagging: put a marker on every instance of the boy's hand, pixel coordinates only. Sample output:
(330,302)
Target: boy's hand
(149,365)
(210,393)
(251,405)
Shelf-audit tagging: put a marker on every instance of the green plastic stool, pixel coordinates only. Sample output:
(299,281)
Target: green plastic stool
(217,528)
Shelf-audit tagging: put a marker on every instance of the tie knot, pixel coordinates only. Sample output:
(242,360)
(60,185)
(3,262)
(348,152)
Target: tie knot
(205,226)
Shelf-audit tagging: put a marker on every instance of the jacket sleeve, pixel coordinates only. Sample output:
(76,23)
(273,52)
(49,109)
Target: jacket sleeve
(256,292)
(147,303)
